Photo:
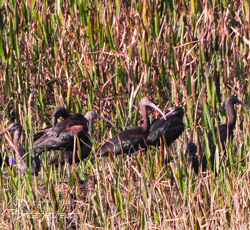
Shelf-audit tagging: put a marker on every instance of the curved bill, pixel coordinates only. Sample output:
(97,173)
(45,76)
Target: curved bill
(243,104)
(105,119)
(176,111)
(170,113)
(151,104)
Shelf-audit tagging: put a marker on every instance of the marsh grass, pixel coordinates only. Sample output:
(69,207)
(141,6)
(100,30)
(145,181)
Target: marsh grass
(105,56)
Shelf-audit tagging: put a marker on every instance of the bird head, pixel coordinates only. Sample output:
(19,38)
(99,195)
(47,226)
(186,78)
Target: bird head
(177,111)
(13,127)
(91,115)
(59,112)
(146,102)
(233,99)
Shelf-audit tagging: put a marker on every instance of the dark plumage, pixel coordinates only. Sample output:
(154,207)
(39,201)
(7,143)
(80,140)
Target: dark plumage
(171,127)
(21,150)
(129,140)
(61,136)
(85,148)
(59,112)
(225,131)
(190,150)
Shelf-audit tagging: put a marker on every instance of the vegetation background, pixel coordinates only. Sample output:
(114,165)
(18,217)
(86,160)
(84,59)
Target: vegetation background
(106,55)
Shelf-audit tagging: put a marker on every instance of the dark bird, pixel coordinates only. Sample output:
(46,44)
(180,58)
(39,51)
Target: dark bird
(129,140)
(21,150)
(87,147)
(190,150)
(57,113)
(225,131)
(91,116)
(171,127)
(62,136)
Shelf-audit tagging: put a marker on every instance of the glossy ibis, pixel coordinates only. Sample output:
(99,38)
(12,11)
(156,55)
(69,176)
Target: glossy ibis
(85,148)
(62,135)
(190,150)
(129,140)
(21,150)
(225,131)
(171,127)
(57,113)
(91,116)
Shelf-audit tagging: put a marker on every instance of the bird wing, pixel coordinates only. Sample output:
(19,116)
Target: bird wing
(171,128)
(68,124)
(62,134)
(126,141)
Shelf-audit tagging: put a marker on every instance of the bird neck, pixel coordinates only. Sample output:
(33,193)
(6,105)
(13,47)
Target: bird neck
(90,127)
(232,116)
(17,136)
(145,125)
